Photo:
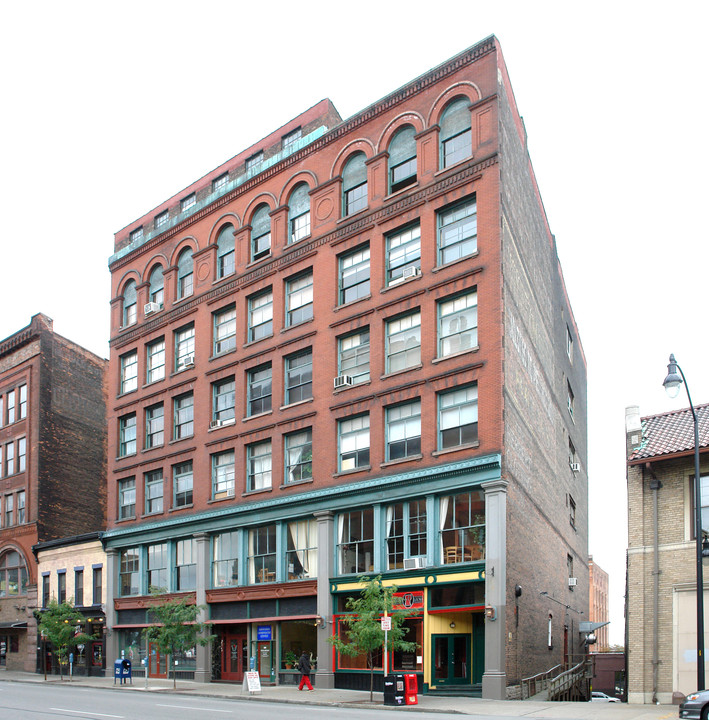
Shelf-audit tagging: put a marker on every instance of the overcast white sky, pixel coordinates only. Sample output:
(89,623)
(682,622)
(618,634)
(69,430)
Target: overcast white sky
(110,108)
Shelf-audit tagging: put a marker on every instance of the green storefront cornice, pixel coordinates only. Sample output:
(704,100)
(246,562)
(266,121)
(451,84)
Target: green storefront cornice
(388,488)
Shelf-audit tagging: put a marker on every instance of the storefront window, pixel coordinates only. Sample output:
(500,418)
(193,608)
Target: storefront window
(131,646)
(462,522)
(410,661)
(297,636)
(356,662)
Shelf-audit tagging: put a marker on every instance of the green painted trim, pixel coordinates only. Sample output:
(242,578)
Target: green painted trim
(438,480)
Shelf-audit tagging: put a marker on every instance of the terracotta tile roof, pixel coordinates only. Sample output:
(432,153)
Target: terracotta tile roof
(672,432)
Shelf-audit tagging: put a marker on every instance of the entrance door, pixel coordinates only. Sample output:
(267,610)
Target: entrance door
(235,657)
(264,660)
(451,659)
(158,663)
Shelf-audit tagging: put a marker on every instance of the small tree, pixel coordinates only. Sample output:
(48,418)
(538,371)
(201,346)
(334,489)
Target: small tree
(177,628)
(60,623)
(364,627)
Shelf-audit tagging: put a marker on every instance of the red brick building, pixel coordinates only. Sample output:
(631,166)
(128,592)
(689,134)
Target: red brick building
(598,603)
(348,350)
(52,465)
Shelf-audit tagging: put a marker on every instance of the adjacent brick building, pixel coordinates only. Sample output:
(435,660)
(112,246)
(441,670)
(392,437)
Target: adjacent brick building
(349,350)
(52,466)
(662,581)
(598,603)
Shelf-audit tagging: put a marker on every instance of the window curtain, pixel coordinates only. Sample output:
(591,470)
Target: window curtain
(340,542)
(442,515)
(389,527)
(252,559)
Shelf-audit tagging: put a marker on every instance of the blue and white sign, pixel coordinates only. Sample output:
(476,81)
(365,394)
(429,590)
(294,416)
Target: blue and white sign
(264,632)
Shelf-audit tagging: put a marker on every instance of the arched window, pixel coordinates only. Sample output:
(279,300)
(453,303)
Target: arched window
(225,251)
(13,575)
(402,159)
(130,303)
(157,285)
(456,137)
(354,184)
(261,232)
(184,274)
(299,213)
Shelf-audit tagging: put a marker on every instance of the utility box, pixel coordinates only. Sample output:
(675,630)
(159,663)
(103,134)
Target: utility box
(122,670)
(394,690)
(411,689)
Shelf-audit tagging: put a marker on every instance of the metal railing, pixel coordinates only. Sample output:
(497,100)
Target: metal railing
(538,683)
(572,684)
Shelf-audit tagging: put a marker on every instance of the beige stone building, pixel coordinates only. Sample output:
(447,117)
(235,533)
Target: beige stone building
(661,603)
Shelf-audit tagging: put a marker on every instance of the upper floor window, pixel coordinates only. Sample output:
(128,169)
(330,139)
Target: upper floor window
(354,184)
(161,220)
(223,475)
(223,398)
(220,183)
(225,252)
(292,137)
(187,202)
(572,512)
(9,510)
(153,492)
(353,356)
(354,275)
(224,330)
(302,549)
(569,344)
(462,527)
(259,466)
(97,586)
(9,459)
(11,409)
(403,430)
(156,290)
(183,416)
(570,399)
(184,348)
(21,454)
(13,574)
(184,274)
(406,525)
(261,232)
(78,588)
(262,554)
(254,161)
(403,254)
(457,324)
(137,234)
(155,361)
(129,372)
(402,159)
(457,231)
(154,426)
(258,390)
(458,417)
(182,484)
(403,342)
(261,315)
(299,377)
(225,562)
(299,213)
(126,498)
(129,571)
(21,518)
(130,303)
(45,589)
(299,299)
(157,557)
(22,408)
(353,440)
(455,134)
(185,565)
(355,541)
(126,435)
(299,456)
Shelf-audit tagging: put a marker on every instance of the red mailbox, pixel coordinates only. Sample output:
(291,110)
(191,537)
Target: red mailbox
(411,689)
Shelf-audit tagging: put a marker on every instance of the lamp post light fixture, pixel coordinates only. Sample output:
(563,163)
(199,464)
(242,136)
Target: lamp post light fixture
(675,378)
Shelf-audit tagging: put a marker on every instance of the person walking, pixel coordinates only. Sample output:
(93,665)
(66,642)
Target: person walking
(304,669)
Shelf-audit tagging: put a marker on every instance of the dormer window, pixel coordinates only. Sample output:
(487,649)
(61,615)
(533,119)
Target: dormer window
(188,202)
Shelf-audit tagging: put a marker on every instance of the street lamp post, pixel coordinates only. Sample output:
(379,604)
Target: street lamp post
(675,378)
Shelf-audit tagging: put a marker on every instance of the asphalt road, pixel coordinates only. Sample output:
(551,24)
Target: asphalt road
(20,701)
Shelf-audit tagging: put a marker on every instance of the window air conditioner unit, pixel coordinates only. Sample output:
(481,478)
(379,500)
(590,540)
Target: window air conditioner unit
(343,381)
(572,582)
(575,466)
(186,362)
(215,424)
(410,272)
(150,308)
(414,563)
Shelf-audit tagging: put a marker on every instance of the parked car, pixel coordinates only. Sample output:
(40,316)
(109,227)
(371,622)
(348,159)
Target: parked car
(597,696)
(695,706)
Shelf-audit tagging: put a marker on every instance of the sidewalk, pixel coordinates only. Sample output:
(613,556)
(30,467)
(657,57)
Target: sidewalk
(359,699)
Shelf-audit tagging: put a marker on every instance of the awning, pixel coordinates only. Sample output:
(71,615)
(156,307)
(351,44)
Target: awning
(18,625)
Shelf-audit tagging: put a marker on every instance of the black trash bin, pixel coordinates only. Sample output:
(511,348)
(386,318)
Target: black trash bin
(122,670)
(394,693)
